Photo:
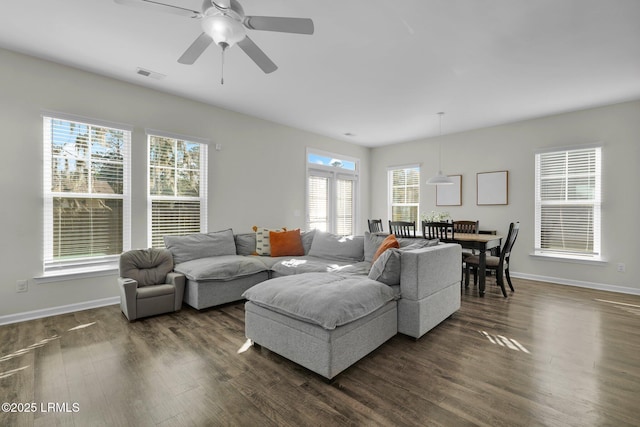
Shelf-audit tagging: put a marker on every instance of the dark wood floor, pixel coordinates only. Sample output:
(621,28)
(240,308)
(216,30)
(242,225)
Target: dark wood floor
(548,355)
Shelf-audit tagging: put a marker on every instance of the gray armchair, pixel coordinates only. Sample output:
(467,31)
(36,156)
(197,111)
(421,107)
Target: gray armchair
(147,283)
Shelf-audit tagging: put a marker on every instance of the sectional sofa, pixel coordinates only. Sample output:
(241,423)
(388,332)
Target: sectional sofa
(325,303)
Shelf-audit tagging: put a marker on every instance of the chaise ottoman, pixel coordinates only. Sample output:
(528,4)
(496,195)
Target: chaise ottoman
(323,321)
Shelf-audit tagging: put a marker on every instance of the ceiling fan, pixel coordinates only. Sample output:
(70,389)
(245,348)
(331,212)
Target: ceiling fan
(224,22)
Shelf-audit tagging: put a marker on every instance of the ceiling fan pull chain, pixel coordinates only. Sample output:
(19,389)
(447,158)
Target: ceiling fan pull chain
(224,47)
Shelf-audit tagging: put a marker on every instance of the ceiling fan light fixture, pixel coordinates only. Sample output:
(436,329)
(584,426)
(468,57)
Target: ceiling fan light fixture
(223,29)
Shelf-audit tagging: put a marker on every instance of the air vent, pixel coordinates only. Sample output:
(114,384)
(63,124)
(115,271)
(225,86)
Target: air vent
(149,73)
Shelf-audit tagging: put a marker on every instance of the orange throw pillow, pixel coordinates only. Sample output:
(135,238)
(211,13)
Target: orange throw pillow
(286,243)
(389,242)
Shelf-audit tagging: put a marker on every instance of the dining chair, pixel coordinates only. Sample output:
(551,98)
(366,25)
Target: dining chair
(402,228)
(437,230)
(498,263)
(375,225)
(466,226)
(471,227)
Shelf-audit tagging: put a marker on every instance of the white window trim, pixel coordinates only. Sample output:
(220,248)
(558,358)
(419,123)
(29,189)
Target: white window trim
(333,173)
(595,258)
(82,267)
(204,192)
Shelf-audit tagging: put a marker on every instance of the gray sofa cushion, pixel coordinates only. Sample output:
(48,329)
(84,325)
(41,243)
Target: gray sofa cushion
(325,299)
(287,266)
(200,245)
(245,243)
(371,244)
(224,267)
(307,240)
(339,248)
(386,268)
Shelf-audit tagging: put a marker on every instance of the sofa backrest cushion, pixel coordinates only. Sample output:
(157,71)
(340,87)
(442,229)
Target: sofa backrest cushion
(146,266)
(245,243)
(371,244)
(340,248)
(201,245)
(307,240)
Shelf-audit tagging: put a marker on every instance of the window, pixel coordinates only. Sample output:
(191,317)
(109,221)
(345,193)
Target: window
(404,193)
(332,186)
(177,177)
(568,203)
(86,194)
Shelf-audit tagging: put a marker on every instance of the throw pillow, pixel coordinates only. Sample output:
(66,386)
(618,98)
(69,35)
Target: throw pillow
(389,242)
(263,246)
(386,268)
(286,243)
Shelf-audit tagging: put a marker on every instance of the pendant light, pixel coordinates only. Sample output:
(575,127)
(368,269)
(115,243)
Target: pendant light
(440,178)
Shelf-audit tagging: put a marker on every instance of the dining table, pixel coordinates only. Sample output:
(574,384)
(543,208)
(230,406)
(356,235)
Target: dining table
(481,243)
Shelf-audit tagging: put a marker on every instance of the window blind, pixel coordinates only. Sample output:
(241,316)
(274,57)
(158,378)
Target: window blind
(177,177)
(568,202)
(86,194)
(404,193)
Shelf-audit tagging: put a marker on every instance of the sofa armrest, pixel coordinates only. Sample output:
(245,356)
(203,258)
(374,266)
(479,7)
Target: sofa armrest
(177,280)
(427,270)
(128,288)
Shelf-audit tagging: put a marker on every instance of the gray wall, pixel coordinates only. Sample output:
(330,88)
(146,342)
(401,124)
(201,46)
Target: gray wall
(512,147)
(258,178)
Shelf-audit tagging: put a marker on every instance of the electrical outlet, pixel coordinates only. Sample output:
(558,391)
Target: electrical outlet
(22,286)
(621,267)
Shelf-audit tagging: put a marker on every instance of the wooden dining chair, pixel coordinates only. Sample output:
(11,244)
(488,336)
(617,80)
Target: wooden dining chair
(466,226)
(402,228)
(375,225)
(471,227)
(499,264)
(437,230)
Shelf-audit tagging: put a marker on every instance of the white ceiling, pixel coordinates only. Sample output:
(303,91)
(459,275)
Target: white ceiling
(380,70)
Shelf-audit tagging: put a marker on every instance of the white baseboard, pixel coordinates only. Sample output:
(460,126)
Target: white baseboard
(578,283)
(53,311)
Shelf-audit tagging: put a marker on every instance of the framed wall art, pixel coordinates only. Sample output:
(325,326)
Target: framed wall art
(492,188)
(450,195)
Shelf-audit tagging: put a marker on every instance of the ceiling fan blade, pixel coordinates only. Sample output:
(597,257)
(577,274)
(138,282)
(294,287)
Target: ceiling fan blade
(283,25)
(194,51)
(258,56)
(161,7)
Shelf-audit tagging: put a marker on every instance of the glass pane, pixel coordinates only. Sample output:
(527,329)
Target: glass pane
(404,213)
(318,159)
(344,203)
(86,227)
(188,183)
(161,181)
(107,178)
(69,175)
(162,151)
(188,155)
(318,203)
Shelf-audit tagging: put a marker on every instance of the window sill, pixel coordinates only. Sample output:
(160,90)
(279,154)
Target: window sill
(75,273)
(569,259)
